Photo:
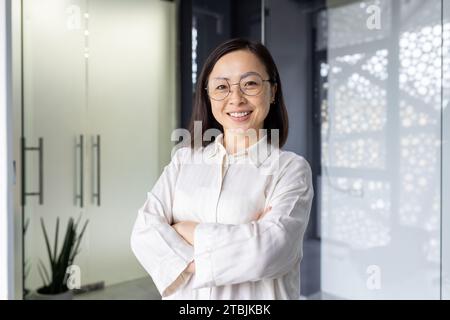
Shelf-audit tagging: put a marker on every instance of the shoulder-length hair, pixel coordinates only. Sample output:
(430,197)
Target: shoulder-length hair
(277,118)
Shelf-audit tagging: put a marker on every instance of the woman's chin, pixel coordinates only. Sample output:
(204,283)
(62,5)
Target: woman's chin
(243,128)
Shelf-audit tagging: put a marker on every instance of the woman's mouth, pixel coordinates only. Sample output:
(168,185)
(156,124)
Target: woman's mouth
(239,116)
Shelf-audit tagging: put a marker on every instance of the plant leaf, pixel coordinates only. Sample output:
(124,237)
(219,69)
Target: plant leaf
(56,239)
(47,278)
(75,251)
(63,259)
(25,227)
(60,261)
(42,275)
(47,243)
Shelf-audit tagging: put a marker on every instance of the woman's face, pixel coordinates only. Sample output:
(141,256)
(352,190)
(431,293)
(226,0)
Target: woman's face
(237,110)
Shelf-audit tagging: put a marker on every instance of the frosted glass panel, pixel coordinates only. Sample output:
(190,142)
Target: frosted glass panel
(381,151)
(102,72)
(446,155)
(54,105)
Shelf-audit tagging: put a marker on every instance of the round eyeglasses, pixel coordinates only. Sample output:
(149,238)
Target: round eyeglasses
(250,85)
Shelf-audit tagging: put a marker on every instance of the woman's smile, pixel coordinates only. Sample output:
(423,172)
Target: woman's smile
(240,116)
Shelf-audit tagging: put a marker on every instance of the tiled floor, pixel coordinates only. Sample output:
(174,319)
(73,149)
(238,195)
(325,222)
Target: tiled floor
(144,289)
(140,289)
(323,296)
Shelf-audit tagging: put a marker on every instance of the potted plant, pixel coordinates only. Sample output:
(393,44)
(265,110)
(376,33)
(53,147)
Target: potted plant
(55,283)
(26,265)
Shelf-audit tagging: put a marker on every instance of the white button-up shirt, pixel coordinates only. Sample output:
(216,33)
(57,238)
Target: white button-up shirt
(236,256)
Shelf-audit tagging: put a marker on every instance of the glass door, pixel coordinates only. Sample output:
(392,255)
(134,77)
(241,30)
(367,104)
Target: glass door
(54,105)
(131,114)
(99,89)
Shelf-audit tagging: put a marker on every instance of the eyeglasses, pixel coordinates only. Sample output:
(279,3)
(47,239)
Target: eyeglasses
(250,85)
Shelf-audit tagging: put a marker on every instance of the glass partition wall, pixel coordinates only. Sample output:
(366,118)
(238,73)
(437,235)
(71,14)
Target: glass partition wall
(445,188)
(384,182)
(99,105)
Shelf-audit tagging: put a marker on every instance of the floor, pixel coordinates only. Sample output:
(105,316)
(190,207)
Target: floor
(140,289)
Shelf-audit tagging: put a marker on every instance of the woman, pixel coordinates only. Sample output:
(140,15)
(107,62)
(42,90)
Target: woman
(226,218)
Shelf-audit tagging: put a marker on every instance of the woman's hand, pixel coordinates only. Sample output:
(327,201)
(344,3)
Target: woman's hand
(186,230)
(191,267)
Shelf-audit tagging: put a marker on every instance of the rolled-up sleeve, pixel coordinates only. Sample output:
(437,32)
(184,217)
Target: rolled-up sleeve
(264,249)
(162,252)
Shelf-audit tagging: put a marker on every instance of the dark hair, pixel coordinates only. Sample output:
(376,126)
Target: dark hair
(277,118)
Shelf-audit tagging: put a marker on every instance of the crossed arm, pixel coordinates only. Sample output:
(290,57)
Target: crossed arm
(186,229)
(166,249)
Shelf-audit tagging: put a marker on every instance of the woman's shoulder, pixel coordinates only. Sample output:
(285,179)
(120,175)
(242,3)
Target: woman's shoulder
(183,154)
(180,153)
(289,161)
(293,169)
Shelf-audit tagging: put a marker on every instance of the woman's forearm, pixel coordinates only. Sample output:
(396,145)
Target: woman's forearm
(186,229)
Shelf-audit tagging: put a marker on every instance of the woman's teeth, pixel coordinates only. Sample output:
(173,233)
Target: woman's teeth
(239,114)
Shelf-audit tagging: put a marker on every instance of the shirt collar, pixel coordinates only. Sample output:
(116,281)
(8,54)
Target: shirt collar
(257,153)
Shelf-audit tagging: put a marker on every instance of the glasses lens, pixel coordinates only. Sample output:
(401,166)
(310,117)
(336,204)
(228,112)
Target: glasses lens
(218,89)
(251,85)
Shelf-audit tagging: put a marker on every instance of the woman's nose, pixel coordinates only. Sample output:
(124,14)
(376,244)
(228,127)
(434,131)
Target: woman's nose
(235,93)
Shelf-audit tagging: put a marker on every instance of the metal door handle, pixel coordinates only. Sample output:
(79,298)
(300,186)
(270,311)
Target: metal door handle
(81,194)
(40,150)
(96,194)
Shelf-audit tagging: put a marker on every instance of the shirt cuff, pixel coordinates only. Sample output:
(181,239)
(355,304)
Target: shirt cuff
(175,276)
(204,275)
(182,278)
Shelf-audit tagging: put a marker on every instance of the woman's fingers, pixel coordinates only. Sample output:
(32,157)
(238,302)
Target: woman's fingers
(191,267)
(265,211)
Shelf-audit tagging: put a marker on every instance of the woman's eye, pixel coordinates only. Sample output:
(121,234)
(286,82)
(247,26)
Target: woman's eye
(250,83)
(221,87)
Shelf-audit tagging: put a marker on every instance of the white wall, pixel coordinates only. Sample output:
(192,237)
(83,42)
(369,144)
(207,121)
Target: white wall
(6,252)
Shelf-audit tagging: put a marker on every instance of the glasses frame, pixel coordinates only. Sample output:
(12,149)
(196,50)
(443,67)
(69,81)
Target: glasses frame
(240,88)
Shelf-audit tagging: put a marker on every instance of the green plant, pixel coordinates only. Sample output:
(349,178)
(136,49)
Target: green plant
(26,265)
(57,282)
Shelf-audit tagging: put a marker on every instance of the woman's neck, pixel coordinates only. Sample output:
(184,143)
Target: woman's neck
(236,141)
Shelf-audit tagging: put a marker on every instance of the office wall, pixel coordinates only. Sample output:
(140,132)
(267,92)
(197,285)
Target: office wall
(6,176)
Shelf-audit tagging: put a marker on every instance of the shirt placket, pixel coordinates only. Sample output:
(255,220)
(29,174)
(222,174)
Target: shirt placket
(223,166)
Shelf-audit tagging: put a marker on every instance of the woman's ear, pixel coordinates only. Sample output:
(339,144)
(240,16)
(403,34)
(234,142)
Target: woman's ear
(273,91)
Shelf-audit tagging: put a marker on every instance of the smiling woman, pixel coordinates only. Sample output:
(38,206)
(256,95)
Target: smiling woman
(226,219)
(240,88)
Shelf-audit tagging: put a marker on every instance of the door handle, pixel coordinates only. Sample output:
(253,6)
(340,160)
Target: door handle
(96,194)
(40,150)
(81,194)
